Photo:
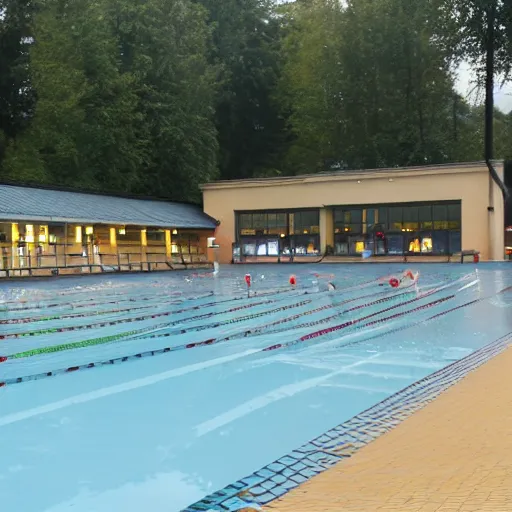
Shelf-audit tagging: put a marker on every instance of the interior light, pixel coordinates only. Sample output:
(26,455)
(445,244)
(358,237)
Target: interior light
(174,231)
(29,236)
(89,230)
(113,239)
(122,231)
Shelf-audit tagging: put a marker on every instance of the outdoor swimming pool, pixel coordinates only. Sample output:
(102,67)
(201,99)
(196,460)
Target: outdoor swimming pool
(194,386)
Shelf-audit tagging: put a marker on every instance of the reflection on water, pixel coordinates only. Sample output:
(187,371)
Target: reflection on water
(160,432)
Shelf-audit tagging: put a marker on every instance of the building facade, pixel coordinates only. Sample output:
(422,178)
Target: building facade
(430,212)
(45,231)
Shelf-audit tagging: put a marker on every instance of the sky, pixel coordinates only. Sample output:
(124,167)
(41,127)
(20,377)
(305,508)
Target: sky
(465,86)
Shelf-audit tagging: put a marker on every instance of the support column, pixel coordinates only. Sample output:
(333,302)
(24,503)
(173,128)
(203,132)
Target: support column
(143,249)
(326,229)
(15,236)
(168,246)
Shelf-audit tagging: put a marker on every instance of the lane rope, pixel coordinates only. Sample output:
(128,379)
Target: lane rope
(169,349)
(117,337)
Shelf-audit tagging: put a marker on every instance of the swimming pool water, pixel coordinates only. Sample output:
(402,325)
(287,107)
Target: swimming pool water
(160,431)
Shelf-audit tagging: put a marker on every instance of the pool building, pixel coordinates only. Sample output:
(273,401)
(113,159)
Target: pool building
(47,231)
(429,213)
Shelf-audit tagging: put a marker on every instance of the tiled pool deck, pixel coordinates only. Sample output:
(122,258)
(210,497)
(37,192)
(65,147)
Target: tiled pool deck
(454,455)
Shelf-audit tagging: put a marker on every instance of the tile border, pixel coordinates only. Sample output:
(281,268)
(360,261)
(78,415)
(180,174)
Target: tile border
(288,472)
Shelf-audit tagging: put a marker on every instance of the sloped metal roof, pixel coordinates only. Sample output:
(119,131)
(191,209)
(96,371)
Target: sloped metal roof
(24,203)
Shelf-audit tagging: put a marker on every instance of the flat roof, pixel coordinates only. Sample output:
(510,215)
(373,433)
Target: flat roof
(18,203)
(351,174)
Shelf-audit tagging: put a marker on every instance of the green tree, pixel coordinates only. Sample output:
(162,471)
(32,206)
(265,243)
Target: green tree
(16,95)
(163,45)
(371,88)
(310,84)
(480,31)
(246,50)
(82,131)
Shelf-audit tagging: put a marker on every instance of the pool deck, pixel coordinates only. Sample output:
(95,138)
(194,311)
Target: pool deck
(455,454)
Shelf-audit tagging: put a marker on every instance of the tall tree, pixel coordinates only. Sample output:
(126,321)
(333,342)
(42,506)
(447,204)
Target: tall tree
(125,98)
(311,82)
(246,42)
(16,94)
(371,88)
(481,32)
(82,131)
(163,45)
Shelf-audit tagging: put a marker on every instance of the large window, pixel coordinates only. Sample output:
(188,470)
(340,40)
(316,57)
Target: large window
(279,232)
(398,229)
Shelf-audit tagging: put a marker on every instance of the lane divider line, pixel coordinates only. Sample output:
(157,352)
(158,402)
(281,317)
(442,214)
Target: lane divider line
(169,349)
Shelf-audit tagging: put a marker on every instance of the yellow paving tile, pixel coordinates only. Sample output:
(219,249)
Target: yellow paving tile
(455,454)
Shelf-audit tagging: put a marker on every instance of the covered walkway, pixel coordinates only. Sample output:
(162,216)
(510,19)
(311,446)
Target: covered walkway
(47,231)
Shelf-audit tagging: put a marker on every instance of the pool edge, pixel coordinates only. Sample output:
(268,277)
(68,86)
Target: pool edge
(328,449)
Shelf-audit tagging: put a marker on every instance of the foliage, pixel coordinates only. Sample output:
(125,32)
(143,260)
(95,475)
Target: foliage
(158,96)
(16,94)
(250,124)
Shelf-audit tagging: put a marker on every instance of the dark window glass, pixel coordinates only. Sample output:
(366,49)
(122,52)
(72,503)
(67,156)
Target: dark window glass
(245,221)
(338,216)
(370,216)
(259,221)
(395,244)
(341,244)
(440,212)
(454,212)
(440,242)
(341,248)
(454,216)
(353,228)
(455,242)
(410,218)
(395,218)
(425,213)
(380,247)
(306,223)
(155,236)
(281,220)
(410,213)
(356,216)
(383,217)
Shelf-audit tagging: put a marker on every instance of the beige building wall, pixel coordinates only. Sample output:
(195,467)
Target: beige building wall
(482,230)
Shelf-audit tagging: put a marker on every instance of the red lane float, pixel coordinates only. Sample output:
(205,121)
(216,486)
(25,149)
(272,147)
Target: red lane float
(150,353)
